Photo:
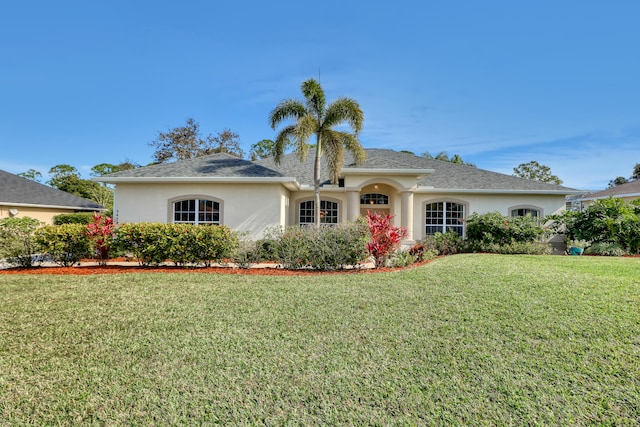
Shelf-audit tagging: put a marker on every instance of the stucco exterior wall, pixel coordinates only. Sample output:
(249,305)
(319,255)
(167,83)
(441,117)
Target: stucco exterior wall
(44,215)
(246,208)
(484,203)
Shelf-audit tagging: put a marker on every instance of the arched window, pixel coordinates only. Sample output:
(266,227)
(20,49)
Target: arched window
(196,211)
(441,217)
(526,211)
(328,212)
(374,199)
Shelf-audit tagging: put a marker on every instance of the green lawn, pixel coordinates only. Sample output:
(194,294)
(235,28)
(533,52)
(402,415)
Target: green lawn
(466,339)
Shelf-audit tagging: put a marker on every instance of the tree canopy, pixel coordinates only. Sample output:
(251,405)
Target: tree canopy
(445,158)
(315,117)
(186,142)
(261,149)
(31,174)
(536,171)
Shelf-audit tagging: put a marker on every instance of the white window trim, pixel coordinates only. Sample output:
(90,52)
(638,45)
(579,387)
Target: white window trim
(531,207)
(465,212)
(322,199)
(173,200)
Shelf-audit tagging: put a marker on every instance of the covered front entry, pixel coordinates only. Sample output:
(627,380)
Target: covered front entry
(384,199)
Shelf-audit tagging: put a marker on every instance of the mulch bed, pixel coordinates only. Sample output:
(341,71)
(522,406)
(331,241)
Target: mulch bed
(84,269)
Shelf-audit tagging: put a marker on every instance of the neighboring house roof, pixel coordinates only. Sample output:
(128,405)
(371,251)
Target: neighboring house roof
(19,191)
(629,189)
(434,175)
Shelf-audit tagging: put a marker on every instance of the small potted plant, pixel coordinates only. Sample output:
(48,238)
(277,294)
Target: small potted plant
(576,247)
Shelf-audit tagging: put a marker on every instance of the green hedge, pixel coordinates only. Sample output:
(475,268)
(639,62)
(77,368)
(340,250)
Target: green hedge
(182,244)
(73,218)
(65,244)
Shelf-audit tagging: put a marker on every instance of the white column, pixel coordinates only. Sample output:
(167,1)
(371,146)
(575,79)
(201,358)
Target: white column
(353,205)
(406,214)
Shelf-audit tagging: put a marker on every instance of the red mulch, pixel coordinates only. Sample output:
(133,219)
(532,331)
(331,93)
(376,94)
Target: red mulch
(135,268)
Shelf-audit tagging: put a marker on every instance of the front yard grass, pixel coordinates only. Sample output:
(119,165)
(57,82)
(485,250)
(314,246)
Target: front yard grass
(464,340)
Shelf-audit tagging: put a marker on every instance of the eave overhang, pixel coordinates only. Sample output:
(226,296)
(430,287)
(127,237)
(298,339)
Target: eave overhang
(288,182)
(36,205)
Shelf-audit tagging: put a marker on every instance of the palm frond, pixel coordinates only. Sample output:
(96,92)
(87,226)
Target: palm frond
(334,154)
(344,110)
(314,94)
(286,109)
(283,140)
(352,143)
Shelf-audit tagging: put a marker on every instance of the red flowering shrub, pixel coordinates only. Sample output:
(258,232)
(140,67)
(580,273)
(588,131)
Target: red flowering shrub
(385,237)
(100,232)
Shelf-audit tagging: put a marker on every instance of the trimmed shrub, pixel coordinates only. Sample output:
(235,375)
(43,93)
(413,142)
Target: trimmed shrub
(182,244)
(145,241)
(401,259)
(17,242)
(495,229)
(422,253)
(528,248)
(448,243)
(73,218)
(605,249)
(65,244)
(325,248)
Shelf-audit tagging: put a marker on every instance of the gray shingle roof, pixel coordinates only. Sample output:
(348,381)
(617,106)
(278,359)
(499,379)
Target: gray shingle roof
(446,176)
(19,190)
(628,188)
(215,165)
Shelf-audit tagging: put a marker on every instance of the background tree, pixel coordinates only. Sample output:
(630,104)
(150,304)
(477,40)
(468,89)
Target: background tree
(445,158)
(185,142)
(67,178)
(617,181)
(536,171)
(225,142)
(315,117)
(261,150)
(31,174)
(103,169)
(636,172)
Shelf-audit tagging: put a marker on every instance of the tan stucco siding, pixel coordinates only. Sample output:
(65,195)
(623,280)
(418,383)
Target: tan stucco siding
(44,215)
(484,203)
(246,208)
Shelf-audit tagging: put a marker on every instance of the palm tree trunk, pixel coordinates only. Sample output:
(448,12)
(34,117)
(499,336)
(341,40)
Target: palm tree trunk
(316,182)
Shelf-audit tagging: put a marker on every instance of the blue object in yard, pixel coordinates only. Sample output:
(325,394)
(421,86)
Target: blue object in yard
(576,251)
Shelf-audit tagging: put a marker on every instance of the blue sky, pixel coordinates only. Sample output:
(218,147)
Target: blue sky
(498,82)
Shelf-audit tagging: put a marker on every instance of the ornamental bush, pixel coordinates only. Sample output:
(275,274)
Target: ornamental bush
(494,230)
(64,244)
(326,248)
(17,242)
(385,237)
(610,220)
(100,233)
(73,218)
(182,244)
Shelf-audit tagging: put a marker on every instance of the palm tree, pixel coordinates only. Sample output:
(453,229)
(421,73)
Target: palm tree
(314,116)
